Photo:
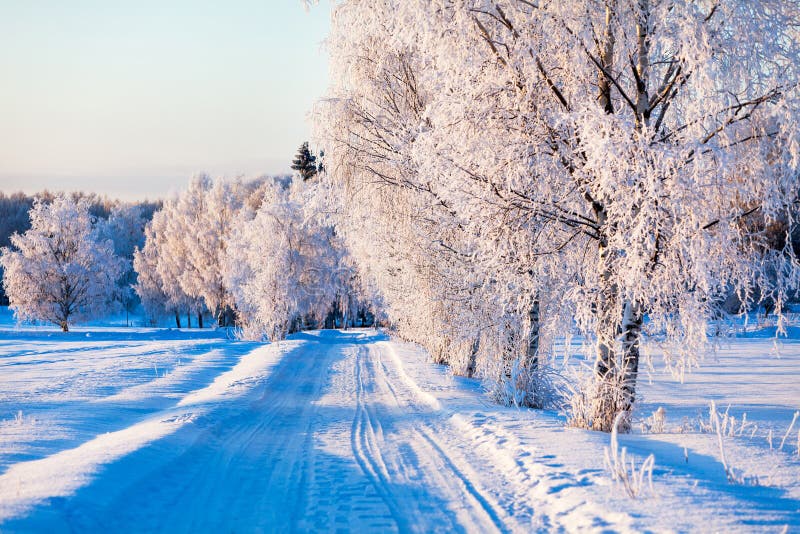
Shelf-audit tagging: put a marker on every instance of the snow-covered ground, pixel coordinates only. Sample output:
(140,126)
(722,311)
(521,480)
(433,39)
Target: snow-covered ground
(135,429)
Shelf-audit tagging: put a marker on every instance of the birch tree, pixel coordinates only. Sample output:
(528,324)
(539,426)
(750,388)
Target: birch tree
(407,237)
(203,219)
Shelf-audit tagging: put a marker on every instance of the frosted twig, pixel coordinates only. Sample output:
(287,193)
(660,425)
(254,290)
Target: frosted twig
(796,414)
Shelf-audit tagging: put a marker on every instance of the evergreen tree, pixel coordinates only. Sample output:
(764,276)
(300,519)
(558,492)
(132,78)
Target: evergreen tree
(305,162)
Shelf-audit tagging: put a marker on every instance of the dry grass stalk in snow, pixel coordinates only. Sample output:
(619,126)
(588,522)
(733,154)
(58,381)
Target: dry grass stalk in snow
(616,460)
(789,430)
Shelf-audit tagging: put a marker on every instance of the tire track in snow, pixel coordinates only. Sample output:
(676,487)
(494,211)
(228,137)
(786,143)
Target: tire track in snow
(365,450)
(414,454)
(451,431)
(427,432)
(469,487)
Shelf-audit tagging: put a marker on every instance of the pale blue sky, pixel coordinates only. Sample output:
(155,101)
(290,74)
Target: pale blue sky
(131,97)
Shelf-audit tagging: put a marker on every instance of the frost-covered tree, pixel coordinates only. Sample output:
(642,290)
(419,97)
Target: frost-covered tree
(125,228)
(262,267)
(599,161)
(203,219)
(284,265)
(160,296)
(159,265)
(149,286)
(409,243)
(60,270)
(181,263)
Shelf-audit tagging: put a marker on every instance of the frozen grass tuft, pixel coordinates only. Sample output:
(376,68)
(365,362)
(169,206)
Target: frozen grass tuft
(585,394)
(722,424)
(656,423)
(719,430)
(728,425)
(634,480)
(530,388)
(19,420)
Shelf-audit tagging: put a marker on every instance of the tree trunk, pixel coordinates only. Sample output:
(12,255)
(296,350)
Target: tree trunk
(631,334)
(177,319)
(188,319)
(295,325)
(510,353)
(606,52)
(472,364)
(642,64)
(607,317)
(606,402)
(345,311)
(617,365)
(64,326)
(200,319)
(532,353)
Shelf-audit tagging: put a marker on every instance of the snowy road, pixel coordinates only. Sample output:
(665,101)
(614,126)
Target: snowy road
(338,437)
(326,431)
(331,433)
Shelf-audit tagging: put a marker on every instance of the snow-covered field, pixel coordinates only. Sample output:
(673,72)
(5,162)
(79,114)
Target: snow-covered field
(134,429)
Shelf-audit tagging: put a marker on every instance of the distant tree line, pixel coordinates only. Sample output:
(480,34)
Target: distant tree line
(260,255)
